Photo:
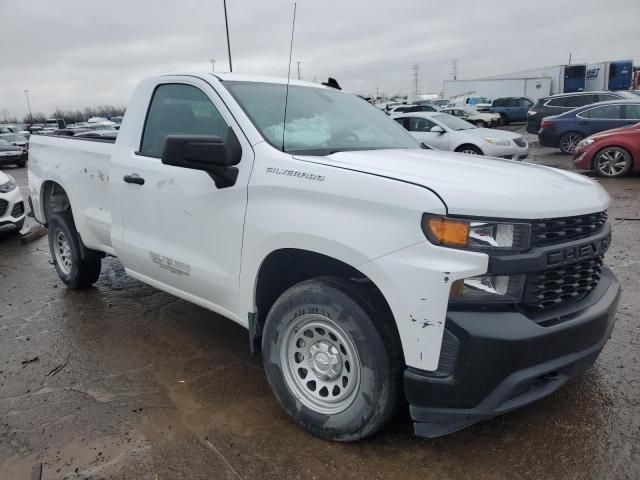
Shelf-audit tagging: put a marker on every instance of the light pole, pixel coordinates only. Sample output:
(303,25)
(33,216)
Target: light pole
(213,64)
(226,24)
(26,94)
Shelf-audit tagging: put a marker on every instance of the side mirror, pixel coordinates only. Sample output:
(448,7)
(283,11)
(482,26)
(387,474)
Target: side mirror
(437,129)
(208,153)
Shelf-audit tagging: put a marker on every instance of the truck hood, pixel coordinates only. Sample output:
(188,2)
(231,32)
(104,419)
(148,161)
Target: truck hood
(480,186)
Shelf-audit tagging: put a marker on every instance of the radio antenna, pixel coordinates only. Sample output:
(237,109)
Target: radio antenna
(286,96)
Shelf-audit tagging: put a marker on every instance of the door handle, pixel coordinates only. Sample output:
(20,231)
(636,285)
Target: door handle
(133,178)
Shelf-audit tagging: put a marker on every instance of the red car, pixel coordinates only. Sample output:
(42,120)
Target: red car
(612,153)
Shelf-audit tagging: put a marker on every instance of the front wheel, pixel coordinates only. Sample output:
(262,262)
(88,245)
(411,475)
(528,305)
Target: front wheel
(612,162)
(469,150)
(569,142)
(74,269)
(332,358)
(481,124)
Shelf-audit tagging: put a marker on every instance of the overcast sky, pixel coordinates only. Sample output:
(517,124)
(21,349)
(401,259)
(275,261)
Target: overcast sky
(72,54)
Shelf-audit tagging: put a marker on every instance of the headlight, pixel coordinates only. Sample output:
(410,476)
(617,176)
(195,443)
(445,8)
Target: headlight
(8,186)
(586,141)
(488,288)
(497,141)
(476,234)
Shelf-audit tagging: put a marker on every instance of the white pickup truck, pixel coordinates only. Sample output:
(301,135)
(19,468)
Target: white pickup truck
(368,270)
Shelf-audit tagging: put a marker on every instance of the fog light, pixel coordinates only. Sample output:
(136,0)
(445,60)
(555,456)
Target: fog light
(488,289)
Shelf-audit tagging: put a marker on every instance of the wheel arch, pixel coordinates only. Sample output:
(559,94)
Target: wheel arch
(53,198)
(460,147)
(285,267)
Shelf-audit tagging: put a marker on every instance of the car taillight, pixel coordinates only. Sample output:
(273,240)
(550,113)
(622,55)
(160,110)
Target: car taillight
(545,123)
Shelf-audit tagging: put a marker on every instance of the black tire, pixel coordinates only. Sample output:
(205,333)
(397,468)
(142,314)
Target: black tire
(504,119)
(19,225)
(21,163)
(469,149)
(79,271)
(481,124)
(612,162)
(368,325)
(569,141)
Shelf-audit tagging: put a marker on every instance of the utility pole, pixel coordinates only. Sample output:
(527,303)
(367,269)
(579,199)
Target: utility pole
(26,94)
(569,58)
(416,75)
(377,93)
(226,24)
(454,68)
(298,69)
(213,64)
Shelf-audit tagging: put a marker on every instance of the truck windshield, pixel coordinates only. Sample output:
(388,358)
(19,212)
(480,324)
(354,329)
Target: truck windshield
(319,121)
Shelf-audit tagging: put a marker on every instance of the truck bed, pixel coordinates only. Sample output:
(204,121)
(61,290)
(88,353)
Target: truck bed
(83,163)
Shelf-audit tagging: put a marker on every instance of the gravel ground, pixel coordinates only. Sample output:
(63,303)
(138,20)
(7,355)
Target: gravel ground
(125,381)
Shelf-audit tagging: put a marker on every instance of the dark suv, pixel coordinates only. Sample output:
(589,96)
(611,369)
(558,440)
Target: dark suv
(511,109)
(557,104)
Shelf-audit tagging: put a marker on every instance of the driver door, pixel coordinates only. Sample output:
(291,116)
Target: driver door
(421,127)
(179,231)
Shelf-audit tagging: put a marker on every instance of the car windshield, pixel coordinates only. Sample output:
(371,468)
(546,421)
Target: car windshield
(454,123)
(319,121)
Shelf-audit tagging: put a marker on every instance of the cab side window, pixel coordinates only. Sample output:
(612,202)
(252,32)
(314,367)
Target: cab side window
(178,109)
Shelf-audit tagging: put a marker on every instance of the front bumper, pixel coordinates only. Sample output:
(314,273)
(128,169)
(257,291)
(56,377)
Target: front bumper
(11,159)
(511,152)
(12,208)
(583,158)
(494,362)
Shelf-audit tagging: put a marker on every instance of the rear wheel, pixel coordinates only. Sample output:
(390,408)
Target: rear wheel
(469,149)
(332,359)
(569,142)
(612,162)
(21,163)
(481,124)
(74,269)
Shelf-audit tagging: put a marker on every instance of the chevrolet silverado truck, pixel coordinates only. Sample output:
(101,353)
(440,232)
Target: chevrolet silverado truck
(368,270)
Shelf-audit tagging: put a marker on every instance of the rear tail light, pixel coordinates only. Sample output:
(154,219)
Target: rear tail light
(546,123)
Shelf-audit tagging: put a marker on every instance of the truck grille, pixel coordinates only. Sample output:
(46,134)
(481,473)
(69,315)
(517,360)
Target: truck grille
(520,141)
(554,287)
(558,230)
(3,207)
(17,210)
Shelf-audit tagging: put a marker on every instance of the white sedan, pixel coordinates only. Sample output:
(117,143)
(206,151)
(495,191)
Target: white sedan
(12,211)
(446,132)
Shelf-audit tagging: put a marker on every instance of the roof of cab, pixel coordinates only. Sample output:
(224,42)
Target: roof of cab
(243,77)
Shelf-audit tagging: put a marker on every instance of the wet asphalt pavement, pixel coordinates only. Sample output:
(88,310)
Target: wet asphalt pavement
(125,381)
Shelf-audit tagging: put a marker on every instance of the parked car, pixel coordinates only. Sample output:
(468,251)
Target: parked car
(369,272)
(11,154)
(471,115)
(111,133)
(612,153)
(15,139)
(511,109)
(400,109)
(557,104)
(478,103)
(12,210)
(565,131)
(445,132)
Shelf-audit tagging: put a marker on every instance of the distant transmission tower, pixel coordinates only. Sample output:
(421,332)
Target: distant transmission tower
(416,75)
(454,68)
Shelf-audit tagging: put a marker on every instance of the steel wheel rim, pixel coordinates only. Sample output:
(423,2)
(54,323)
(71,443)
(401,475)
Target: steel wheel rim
(320,364)
(569,142)
(612,162)
(62,250)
